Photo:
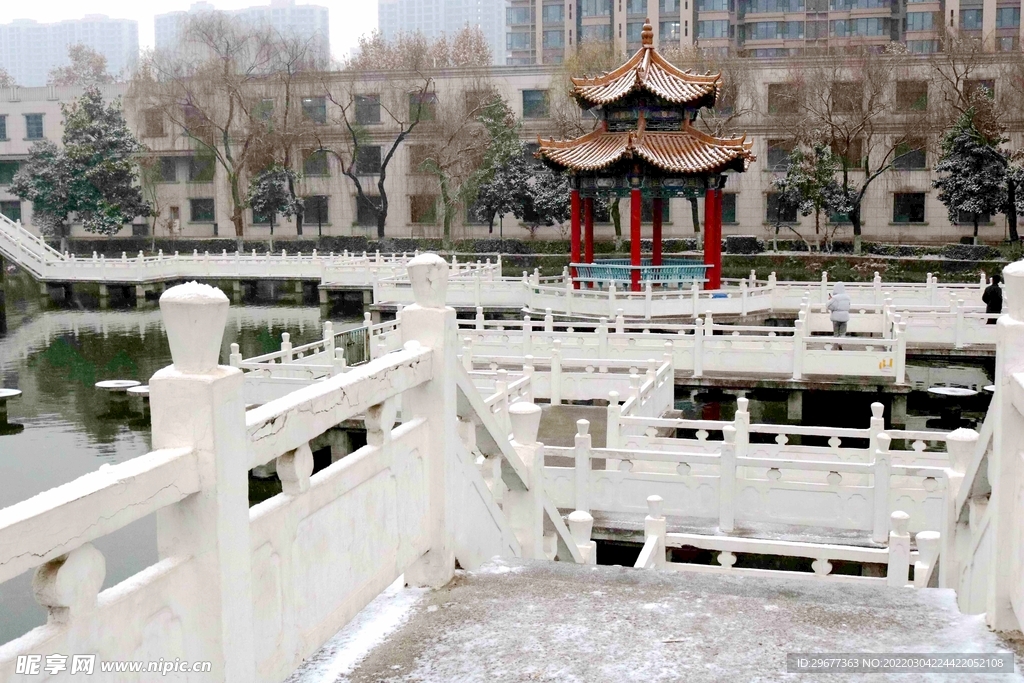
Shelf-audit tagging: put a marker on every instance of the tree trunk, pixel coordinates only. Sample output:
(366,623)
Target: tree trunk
(855,220)
(975,240)
(616,216)
(1011,210)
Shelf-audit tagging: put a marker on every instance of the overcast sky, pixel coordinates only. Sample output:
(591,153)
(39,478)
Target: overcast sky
(349,18)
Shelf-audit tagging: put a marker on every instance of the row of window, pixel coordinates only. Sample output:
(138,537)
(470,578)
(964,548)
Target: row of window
(907,207)
(910,155)
(33,127)
(367,113)
(784,98)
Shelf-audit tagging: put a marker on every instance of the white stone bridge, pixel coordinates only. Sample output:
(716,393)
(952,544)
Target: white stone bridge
(452,470)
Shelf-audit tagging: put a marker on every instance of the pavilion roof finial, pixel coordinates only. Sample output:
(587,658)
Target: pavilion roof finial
(647,34)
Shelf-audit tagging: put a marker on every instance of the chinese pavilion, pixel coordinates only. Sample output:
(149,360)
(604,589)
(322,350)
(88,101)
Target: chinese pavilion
(645,147)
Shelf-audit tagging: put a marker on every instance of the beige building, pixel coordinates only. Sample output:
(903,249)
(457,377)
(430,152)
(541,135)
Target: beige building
(543,31)
(194,200)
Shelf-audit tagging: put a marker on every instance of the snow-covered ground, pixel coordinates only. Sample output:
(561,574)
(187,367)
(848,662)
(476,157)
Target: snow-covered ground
(382,617)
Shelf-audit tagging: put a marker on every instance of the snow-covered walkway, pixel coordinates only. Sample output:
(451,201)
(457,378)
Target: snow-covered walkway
(539,621)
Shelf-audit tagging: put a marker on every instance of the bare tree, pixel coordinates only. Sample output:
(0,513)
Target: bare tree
(6,79)
(209,93)
(414,52)
(458,141)
(850,101)
(87,67)
(404,101)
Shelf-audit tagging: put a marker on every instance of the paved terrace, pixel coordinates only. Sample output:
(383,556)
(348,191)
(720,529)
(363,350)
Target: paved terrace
(516,620)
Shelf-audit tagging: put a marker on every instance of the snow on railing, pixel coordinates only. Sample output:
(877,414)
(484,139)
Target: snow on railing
(411,501)
(897,555)
(730,481)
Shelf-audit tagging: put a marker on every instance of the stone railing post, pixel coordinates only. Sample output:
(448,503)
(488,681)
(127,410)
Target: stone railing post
(527,335)
(698,347)
(620,322)
(467,353)
(898,572)
(742,425)
(648,297)
(694,299)
(286,347)
(581,525)
(823,290)
(556,373)
(329,341)
(727,480)
(900,361)
(881,471)
(524,508)
(549,321)
(876,286)
(612,429)
(235,359)
(428,322)
(655,527)
(602,339)
(958,336)
(928,552)
(198,404)
(876,426)
(772,281)
(528,370)
(583,449)
(798,349)
(479,320)
(743,297)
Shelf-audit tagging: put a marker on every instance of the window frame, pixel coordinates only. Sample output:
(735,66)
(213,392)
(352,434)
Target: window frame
(194,171)
(314,107)
(323,202)
(192,210)
(3,127)
(768,209)
(308,158)
(362,102)
(8,203)
(9,163)
(537,110)
(28,128)
(430,215)
(366,159)
(895,216)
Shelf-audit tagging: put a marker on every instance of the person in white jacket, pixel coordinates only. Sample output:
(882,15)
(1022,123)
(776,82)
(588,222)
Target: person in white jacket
(839,309)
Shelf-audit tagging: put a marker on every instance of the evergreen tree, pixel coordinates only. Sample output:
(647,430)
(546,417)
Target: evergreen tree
(505,172)
(810,184)
(95,175)
(269,194)
(972,172)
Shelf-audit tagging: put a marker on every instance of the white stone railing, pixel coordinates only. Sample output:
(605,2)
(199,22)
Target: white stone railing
(897,555)
(749,350)
(982,545)
(723,486)
(255,591)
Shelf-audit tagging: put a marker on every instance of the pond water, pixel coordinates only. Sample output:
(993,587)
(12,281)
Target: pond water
(69,428)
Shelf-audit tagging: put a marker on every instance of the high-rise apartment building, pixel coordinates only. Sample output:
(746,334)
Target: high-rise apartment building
(433,18)
(29,49)
(542,31)
(302,21)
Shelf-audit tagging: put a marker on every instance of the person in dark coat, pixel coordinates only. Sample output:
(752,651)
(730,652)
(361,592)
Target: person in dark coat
(993,298)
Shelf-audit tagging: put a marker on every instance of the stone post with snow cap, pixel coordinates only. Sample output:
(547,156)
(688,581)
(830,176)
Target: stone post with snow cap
(524,507)
(197,403)
(430,323)
(1004,462)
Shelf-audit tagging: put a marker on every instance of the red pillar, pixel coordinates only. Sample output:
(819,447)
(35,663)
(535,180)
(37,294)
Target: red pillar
(656,231)
(713,237)
(634,238)
(588,230)
(574,256)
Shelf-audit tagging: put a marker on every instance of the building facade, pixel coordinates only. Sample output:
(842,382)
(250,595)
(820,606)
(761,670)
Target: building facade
(29,49)
(434,18)
(543,31)
(194,198)
(301,21)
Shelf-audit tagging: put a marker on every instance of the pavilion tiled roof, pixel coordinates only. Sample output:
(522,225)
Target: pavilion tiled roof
(687,151)
(648,70)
